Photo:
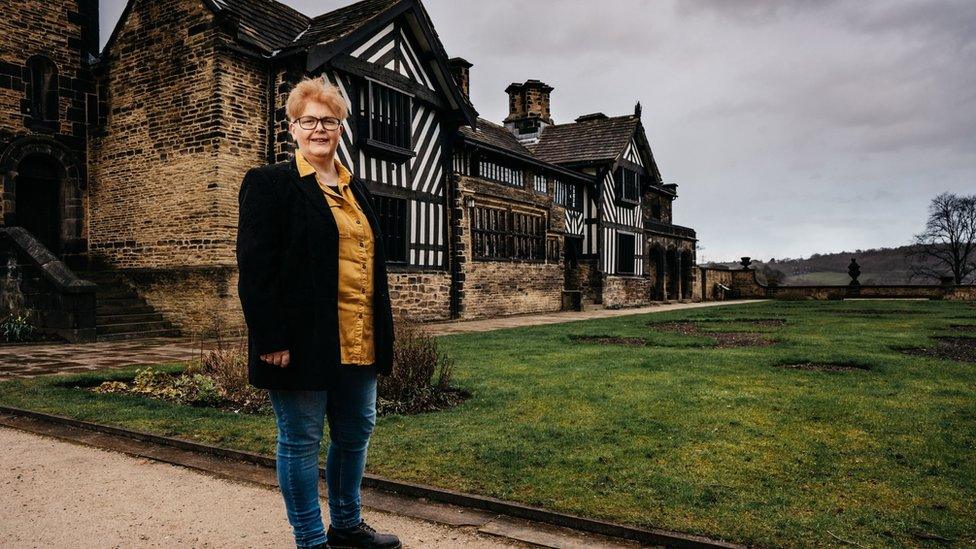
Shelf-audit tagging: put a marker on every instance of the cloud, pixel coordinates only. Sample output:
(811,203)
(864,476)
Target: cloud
(792,127)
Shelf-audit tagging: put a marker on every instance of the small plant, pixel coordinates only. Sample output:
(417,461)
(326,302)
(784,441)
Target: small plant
(17,327)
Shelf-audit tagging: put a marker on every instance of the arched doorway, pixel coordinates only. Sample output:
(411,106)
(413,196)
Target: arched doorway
(687,274)
(674,274)
(42,190)
(38,199)
(658,260)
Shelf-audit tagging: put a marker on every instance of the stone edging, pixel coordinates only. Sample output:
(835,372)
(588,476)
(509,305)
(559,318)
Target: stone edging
(642,535)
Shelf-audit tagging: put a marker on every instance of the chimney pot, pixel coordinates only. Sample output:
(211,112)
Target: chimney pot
(528,109)
(461,70)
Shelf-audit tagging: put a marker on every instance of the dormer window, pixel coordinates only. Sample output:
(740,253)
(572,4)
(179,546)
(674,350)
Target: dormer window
(566,195)
(628,184)
(384,121)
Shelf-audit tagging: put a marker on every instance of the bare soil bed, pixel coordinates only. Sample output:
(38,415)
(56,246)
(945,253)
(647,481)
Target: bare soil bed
(610,340)
(723,340)
(824,366)
(960,349)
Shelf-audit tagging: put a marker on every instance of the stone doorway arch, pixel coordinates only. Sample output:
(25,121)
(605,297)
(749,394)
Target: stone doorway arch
(687,273)
(42,191)
(674,274)
(660,268)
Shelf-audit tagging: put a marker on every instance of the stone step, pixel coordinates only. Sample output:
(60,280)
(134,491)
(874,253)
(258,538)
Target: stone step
(119,302)
(125,327)
(120,313)
(138,335)
(100,278)
(122,308)
(148,315)
(115,293)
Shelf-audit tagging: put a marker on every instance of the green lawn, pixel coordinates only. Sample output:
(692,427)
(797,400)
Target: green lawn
(676,434)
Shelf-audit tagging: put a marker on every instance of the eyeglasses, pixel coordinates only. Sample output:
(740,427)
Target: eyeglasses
(310,122)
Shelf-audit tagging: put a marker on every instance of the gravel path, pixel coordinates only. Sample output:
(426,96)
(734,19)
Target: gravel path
(59,494)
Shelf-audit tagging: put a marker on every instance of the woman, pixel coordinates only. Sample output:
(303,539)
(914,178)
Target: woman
(314,293)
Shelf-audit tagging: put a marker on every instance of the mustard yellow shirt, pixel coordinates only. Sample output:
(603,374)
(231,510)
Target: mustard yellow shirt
(355,266)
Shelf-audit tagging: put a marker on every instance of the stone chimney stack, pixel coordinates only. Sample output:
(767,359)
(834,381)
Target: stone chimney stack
(528,109)
(461,69)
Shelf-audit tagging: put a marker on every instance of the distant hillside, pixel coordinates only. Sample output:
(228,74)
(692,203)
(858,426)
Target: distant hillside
(878,266)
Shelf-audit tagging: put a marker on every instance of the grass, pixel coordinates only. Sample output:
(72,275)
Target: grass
(676,434)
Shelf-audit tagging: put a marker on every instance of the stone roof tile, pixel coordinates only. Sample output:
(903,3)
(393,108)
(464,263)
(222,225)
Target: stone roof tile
(585,141)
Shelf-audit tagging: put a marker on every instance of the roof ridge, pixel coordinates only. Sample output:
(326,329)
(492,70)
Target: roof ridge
(604,120)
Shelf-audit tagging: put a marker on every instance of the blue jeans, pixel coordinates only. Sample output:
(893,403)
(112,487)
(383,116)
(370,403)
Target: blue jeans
(350,407)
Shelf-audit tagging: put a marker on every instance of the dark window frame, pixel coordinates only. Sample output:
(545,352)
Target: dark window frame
(621,255)
(627,185)
(484,171)
(385,122)
(567,194)
(504,234)
(393,211)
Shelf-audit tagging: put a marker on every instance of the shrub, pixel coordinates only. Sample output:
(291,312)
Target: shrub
(420,381)
(421,377)
(227,367)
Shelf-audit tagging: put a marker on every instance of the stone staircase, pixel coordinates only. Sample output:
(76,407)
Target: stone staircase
(121,314)
(590,305)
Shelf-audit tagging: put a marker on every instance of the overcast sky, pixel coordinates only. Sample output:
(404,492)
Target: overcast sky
(790,127)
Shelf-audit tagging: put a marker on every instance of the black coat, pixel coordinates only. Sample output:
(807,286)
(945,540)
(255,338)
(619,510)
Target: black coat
(288,263)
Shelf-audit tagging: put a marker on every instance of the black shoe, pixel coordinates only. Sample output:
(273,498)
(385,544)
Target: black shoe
(361,536)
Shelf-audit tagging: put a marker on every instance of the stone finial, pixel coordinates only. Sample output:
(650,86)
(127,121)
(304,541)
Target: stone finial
(854,270)
(745,262)
(637,110)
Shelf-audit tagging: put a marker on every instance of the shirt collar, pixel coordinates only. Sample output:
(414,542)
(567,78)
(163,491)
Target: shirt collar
(306,168)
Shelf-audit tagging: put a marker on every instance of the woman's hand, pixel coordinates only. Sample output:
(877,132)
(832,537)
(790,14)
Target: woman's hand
(278,358)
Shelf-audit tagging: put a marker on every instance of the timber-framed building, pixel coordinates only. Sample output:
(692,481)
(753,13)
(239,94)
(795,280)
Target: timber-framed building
(122,166)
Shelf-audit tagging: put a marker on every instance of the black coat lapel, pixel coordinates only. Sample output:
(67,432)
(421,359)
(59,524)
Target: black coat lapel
(310,188)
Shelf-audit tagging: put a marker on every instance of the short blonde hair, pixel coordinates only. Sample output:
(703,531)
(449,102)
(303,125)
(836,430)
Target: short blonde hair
(315,89)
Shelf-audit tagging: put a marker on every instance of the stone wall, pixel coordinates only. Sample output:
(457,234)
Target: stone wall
(745,285)
(504,287)
(586,277)
(420,295)
(199,301)
(708,289)
(626,291)
(63,31)
(155,183)
(34,281)
(961,293)
(241,144)
(496,288)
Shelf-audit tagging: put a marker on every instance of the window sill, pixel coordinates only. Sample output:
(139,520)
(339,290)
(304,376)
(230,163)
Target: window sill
(386,150)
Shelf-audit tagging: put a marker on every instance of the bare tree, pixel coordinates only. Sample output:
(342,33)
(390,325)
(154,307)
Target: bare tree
(947,246)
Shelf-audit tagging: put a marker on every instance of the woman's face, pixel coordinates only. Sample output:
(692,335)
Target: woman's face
(319,142)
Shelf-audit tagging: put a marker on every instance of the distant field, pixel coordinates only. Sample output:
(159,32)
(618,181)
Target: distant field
(826,278)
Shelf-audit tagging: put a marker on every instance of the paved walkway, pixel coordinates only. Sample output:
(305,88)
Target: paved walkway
(59,494)
(42,359)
